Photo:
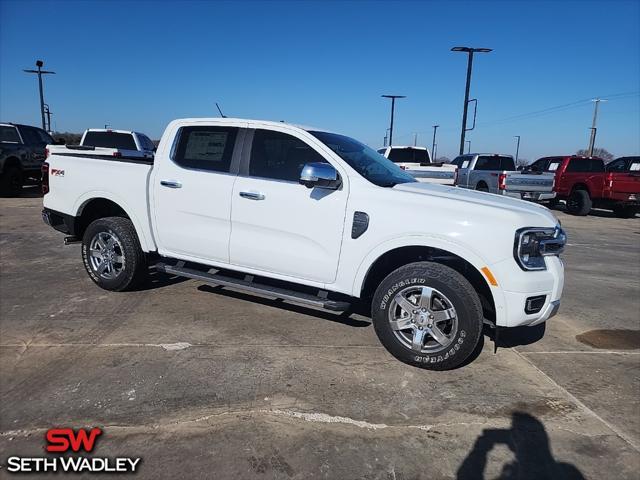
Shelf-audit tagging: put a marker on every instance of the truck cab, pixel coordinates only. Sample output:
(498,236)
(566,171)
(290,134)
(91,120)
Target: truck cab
(417,161)
(131,144)
(496,173)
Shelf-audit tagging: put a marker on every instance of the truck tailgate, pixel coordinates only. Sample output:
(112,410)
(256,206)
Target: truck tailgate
(444,174)
(528,182)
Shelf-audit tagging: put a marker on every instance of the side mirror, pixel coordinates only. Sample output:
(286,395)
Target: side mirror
(321,175)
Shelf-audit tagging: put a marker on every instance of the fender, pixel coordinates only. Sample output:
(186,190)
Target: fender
(147,242)
(441,243)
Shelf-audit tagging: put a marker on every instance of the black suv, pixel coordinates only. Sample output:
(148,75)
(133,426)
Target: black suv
(22,152)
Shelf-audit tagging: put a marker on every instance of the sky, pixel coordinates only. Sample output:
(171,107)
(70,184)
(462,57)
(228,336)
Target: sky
(139,65)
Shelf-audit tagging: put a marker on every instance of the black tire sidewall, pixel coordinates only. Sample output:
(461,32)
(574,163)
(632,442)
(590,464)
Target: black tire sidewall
(456,288)
(9,187)
(123,229)
(582,203)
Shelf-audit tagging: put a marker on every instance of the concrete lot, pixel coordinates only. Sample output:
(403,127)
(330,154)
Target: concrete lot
(204,382)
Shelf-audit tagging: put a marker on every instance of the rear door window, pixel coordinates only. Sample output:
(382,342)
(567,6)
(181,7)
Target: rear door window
(585,165)
(507,163)
(121,141)
(31,136)
(206,148)
(488,163)
(9,134)
(619,165)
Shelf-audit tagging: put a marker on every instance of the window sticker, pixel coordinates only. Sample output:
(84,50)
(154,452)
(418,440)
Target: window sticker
(553,166)
(207,146)
(634,167)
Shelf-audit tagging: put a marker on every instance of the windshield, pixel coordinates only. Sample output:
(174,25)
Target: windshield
(364,160)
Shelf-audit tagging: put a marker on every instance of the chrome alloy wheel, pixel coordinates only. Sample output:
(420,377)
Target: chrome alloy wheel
(423,319)
(105,255)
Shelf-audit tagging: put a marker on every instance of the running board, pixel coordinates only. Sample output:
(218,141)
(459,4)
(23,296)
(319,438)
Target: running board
(254,287)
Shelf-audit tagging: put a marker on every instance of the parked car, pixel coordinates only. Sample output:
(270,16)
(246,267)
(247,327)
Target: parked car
(22,151)
(495,173)
(130,144)
(584,182)
(315,218)
(417,161)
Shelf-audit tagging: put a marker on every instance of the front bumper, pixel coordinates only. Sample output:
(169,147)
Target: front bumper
(521,285)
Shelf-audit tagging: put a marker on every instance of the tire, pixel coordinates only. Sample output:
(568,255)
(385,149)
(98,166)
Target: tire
(579,203)
(11,182)
(117,262)
(482,187)
(553,203)
(622,211)
(411,336)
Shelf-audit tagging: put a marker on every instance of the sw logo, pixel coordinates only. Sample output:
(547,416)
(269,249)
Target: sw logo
(61,439)
(68,440)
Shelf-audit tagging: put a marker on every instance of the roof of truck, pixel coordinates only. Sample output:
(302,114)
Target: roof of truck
(250,122)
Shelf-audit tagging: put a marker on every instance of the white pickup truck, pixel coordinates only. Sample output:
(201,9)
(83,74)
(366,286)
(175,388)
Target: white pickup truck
(494,173)
(315,218)
(128,143)
(417,162)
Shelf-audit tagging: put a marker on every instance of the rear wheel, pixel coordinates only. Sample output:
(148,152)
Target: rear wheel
(112,254)
(621,211)
(11,182)
(428,315)
(482,187)
(579,203)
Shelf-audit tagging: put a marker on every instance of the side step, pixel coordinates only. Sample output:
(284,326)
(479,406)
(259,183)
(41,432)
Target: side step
(254,287)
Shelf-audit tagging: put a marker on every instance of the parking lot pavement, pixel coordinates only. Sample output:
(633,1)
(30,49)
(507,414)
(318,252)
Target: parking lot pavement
(204,382)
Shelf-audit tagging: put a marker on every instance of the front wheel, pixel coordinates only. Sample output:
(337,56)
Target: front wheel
(428,315)
(112,254)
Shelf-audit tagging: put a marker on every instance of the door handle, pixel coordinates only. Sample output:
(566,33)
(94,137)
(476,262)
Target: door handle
(252,195)
(170,184)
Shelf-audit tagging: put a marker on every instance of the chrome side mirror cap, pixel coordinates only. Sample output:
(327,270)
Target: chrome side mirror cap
(321,175)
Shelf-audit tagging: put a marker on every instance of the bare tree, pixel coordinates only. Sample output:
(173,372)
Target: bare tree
(522,162)
(603,153)
(443,159)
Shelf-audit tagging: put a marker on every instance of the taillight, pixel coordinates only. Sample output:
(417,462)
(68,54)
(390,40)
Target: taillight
(455,176)
(502,178)
(117,154)
(45,178)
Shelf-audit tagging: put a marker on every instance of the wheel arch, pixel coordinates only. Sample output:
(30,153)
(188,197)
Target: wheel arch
(580,186)
(91,207)
(376,267)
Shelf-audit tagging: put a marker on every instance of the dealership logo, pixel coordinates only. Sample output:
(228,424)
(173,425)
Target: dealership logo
(67,440)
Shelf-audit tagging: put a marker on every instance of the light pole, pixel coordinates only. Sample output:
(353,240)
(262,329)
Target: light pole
(47,111)
(470,51)
(40,72)
(393,106)
(517,147)
(468,142)
(594,129)
(433,144)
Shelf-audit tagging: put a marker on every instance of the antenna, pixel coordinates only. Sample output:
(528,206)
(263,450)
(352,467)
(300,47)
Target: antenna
(219,110)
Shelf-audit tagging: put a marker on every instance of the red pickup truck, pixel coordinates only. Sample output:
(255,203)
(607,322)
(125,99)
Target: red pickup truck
(585,182)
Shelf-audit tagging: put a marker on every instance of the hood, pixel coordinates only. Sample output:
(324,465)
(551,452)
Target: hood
(535,215)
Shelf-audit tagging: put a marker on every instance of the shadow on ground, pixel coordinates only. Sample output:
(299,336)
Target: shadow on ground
(529,442)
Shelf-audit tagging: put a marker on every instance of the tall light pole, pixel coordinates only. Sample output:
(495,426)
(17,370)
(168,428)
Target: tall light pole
(468,142)
(393,106)
(47,112)
(433,144)
(40,72)
(517,147)
(594,129)
(470,51)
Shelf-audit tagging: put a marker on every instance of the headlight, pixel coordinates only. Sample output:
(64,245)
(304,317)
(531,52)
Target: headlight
(533,244)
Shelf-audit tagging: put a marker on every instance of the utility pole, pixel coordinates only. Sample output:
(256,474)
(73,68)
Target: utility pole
(433,144)
(40,72)
(470,51)
(393,106)
(415,139)
(594,129)
(517,147)
(468,142)
(47,111)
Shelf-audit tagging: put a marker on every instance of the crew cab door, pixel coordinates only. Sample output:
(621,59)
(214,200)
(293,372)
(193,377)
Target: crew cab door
(193,185)
(278,225)
(463,162)
(624,178)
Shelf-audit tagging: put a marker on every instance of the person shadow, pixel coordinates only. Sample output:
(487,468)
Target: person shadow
(529,442)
